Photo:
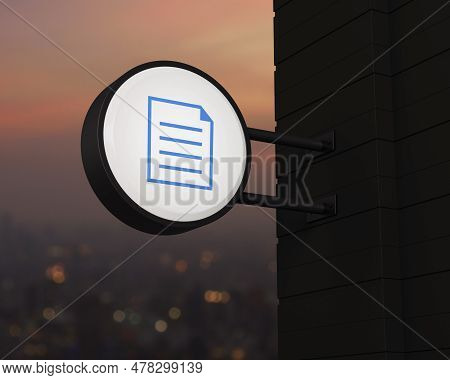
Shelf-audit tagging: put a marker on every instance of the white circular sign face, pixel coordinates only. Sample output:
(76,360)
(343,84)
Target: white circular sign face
(173,141)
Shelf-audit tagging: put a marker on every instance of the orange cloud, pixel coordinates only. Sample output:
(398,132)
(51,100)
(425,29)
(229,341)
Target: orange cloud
(42,90)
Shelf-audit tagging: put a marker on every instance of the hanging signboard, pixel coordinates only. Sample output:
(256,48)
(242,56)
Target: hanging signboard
(165,148)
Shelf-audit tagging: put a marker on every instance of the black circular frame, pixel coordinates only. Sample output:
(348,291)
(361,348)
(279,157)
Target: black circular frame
(102,180)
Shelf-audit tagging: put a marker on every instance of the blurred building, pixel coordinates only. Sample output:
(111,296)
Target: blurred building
(197,304)
(390,173)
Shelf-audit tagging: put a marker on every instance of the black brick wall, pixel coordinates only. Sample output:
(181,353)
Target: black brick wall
(390,171)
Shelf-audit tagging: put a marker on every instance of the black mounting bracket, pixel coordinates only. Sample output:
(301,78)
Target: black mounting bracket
(325,208)
(322,144)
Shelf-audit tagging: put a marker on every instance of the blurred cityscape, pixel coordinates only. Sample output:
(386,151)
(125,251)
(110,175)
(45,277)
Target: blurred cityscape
(209,293)
(166,303)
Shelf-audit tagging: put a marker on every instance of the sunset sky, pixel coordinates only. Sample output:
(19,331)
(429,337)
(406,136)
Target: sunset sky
(45,95)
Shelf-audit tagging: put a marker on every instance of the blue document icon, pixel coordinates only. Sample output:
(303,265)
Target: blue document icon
(180,144)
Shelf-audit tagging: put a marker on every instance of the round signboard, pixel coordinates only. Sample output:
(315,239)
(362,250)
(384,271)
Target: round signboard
(165,148)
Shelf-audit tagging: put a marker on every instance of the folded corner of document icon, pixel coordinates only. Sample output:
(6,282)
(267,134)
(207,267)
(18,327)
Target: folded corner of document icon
(180,144)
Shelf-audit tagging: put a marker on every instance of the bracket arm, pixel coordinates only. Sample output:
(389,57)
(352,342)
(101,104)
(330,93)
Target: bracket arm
(323,144)
(271,201)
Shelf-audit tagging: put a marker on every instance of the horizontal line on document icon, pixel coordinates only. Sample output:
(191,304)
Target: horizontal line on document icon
(164,124)
(181,141)
(180,184)
(180,169)
(191,156)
